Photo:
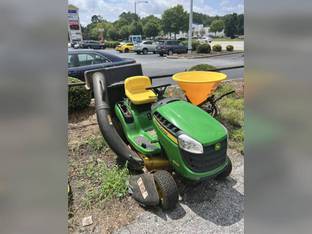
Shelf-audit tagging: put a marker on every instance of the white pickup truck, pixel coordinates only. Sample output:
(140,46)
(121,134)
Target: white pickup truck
(145,47)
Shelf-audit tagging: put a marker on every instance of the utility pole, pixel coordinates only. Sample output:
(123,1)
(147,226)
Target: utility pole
(190,28)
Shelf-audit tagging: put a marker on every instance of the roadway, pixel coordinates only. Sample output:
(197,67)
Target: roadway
(154,65)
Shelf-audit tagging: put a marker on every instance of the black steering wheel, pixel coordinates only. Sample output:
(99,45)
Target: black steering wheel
(159,89)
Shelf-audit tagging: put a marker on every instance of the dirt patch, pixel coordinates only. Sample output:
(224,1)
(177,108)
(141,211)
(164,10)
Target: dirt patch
(114,214)
(84,148)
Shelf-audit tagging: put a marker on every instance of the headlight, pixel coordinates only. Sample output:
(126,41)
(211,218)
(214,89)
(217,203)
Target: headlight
(189,144)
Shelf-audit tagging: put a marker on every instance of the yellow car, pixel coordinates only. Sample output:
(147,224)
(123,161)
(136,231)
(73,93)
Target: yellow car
(125,47)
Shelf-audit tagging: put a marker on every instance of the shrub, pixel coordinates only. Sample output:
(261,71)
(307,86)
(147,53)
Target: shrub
(229,48)
(204,48)
(195,44)
(111,44)
(217,48)
(79,97)
(202,67)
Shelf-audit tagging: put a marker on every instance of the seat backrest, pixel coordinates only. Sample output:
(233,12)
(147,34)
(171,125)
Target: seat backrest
(137,84)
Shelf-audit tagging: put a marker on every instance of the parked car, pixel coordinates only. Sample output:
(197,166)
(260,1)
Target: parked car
(145,47)
(205,39)
(125,47)
(90,44)
(169,47)
(82,60)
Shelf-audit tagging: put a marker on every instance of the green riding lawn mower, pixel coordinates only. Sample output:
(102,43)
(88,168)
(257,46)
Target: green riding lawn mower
(158,136)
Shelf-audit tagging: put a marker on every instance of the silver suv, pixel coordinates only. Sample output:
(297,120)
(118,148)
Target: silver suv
(145,47)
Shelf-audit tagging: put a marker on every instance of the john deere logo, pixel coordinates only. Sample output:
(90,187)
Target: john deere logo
(217,146)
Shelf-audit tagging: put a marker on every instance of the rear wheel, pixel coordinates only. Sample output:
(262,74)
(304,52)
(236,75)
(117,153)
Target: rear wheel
(145,51)
(167,189)
(138,52)
(126,50)
(161,54)
(226,172)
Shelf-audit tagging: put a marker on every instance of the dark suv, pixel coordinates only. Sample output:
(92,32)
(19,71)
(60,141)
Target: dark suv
(90,44)
(169,47)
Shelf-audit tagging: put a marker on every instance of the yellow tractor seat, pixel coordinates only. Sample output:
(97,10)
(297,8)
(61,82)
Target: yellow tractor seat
(135,89)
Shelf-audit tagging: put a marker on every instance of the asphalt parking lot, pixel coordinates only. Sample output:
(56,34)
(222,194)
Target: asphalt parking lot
(154,64)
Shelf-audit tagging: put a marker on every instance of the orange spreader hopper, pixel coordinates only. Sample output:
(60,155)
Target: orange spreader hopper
(198,85)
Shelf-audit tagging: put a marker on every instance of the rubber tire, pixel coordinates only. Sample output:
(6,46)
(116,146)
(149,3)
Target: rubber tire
(168,188)
(226,172)
(138,52)
(126,50)
(170,52)
(161,54)
(145,51)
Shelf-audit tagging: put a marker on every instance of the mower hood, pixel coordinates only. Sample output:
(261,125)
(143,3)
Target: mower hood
(191,120)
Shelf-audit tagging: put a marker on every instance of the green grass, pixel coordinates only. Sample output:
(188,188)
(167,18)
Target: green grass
(101,183)
(96,143)
(232,116)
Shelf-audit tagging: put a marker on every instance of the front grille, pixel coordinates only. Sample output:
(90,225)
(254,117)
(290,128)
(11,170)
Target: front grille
(207,161)
(166,124)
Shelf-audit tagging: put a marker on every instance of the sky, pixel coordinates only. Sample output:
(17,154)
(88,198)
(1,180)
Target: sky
(111,9)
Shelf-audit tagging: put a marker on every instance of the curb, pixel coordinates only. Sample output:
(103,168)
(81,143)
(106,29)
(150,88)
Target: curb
(202,56)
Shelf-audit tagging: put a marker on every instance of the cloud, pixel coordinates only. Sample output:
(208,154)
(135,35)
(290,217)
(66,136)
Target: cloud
(111,9)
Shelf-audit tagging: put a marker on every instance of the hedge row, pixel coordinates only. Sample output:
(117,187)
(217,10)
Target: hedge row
(206,48)
(111,44)
(79,97)
(195,44)
(203,67)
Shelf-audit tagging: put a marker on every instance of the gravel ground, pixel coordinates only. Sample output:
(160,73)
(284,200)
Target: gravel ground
(209,207)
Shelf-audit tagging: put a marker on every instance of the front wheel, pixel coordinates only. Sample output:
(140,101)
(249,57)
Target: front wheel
(226,172)
(167,189)
(126,50)
(145,51)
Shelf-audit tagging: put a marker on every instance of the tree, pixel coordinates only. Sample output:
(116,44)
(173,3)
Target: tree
(216,26)
(129,17)
(240,26)
(150,18)
(124,32)
(151,29)
(230,25)
(96,19)
(113,33)
(174,20)
(136,28)
(199,18)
